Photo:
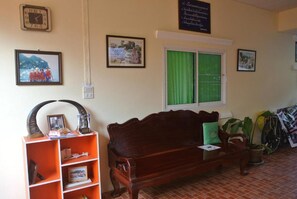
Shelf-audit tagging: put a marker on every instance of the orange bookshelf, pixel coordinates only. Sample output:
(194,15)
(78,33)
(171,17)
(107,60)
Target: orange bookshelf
(46,153)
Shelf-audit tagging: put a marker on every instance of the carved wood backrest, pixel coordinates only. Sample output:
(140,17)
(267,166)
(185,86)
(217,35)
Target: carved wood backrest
(159,132)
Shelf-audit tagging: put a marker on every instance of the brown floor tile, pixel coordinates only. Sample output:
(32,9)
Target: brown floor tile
(275,179)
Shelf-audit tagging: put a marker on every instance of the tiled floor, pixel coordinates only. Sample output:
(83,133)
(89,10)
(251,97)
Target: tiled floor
(275,179)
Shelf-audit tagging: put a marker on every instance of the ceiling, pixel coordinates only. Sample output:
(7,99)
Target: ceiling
(272,5)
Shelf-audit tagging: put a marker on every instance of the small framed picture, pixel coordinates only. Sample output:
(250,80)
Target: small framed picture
(125,52)
(246,60)
(32,172)
(77,174)
(38,67)
(56,122)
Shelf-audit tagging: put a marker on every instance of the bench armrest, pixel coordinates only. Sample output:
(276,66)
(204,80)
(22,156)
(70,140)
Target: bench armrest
(238,139)
(123,164)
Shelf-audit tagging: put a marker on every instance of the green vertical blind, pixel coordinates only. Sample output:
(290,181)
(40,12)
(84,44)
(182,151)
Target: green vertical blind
(209,77)
(181,77)
(181,81)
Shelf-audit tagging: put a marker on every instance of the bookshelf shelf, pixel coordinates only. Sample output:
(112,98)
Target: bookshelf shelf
(46,153)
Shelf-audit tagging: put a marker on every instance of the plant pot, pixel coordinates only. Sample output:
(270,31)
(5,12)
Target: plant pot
(256,155)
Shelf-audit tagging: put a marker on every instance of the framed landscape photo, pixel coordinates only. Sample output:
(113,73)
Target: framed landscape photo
(246,60)
(125,52)
(38,67)
(56,122)
(77,174)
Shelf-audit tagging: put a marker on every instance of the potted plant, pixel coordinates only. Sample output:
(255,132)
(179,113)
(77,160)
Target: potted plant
(235,125)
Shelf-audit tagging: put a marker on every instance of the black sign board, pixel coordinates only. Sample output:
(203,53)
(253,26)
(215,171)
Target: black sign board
(194,15)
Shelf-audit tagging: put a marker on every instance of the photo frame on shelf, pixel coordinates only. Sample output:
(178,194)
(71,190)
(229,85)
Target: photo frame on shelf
(125,52)
(56,122)
(38,67)
(77,174)
(83,123)
(246,60)
(32,172)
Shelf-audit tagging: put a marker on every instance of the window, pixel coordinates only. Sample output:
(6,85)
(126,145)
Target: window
(194,78)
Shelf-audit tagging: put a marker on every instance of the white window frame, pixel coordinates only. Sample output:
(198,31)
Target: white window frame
(198,106)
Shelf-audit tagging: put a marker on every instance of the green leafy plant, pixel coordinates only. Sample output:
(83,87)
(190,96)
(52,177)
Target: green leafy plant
(247,127)
(234,125)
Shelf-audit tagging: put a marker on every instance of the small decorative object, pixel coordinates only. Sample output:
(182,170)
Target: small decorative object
(38,67)
(77,155)
(56,122)
(77,174)
(83,123)
(35,17)
(246,60)
(194,15)
(65,154)
(125,52)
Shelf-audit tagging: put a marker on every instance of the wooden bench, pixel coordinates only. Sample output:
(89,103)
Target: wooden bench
(164,147)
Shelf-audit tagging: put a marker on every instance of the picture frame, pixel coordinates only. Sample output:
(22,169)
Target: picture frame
(77,174)
(33,174)
(56,122)
(246,60)
(38,67)
(32,170)
(125,52)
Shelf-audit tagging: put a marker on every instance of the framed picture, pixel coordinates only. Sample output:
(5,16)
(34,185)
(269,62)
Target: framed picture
(246,60)
(32,172)
(125,52)
(38,67)
(77,174)
(56,122)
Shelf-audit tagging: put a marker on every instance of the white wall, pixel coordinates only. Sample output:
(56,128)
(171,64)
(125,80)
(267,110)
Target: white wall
(124,93)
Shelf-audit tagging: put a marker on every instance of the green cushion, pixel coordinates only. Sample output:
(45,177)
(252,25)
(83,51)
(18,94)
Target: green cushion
(210,133)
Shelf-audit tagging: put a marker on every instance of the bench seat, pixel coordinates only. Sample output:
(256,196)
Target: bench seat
(141,156)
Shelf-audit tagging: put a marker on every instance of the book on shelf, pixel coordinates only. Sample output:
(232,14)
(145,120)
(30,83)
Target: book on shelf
(74,184)
(62,133)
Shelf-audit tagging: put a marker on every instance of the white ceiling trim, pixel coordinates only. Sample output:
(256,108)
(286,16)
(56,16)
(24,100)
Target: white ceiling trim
(160,34)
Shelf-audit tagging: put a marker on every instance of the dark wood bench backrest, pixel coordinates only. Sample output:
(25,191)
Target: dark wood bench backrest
(159,132)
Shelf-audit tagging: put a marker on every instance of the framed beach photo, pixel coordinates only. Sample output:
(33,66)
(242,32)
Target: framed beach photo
(38,67)
(125,52)
(56,122)
(246,60)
